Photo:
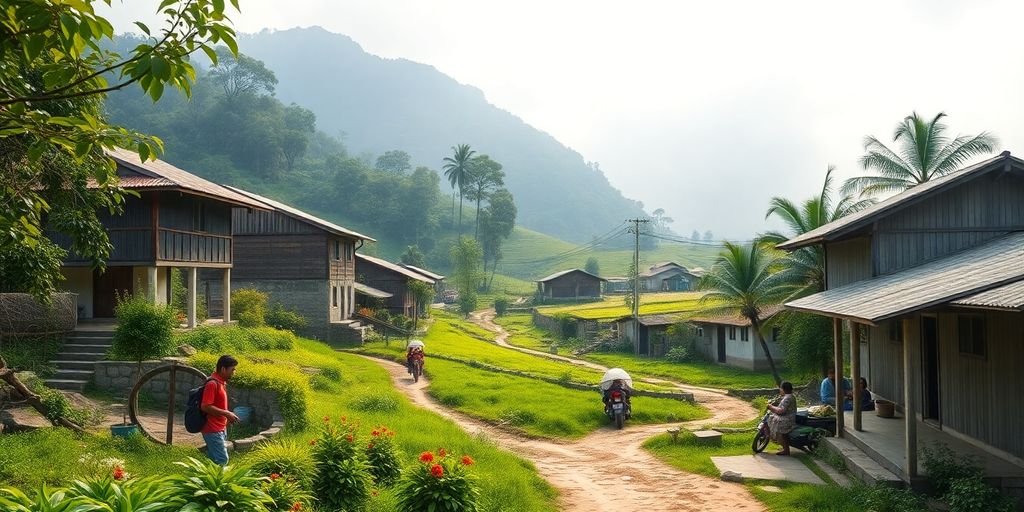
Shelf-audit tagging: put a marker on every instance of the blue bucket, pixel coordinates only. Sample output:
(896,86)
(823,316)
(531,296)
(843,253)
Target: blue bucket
(244,413)
(123,430)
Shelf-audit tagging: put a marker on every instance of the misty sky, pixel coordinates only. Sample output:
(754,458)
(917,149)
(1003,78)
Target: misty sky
(706,109)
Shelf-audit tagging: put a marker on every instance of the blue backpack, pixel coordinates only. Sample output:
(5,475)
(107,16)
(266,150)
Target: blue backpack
(195,418)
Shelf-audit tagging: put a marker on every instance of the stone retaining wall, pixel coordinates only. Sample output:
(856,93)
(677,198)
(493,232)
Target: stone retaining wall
(117,377)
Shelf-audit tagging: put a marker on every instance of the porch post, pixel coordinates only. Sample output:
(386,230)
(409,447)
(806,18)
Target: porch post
(855,374)
(837,346)
(344,302)
(151,284)
(351,299)
(226,292)
(909,408)
(192,276)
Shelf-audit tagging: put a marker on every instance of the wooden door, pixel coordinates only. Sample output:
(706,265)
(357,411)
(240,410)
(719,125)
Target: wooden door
(721,343)
(104,286)
(931,405)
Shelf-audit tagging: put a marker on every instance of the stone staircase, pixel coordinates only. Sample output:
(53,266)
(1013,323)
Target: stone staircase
(75,362)
(350,331)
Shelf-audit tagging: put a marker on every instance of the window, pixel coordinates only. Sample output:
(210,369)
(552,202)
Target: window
(334,296)
(896,331)
(776,334)
(337,250)
(199,215)
(348,251)
(745,334)
(732,333)
(972,334)
(700,332)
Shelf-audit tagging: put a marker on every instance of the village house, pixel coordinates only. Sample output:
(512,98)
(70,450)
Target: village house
(730,340)
(649,334)
(381,280)
(617,285)
(931,284)
(303,262)
(668,277)
(179,220)
(439,286)
(572,284)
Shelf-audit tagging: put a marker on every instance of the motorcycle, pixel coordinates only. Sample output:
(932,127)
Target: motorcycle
(417,369)
(617,408)
(802,437)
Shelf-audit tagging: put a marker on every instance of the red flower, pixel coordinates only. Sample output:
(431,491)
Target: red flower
(344,419)
(327,419)
(391,434)
(296,506)
(374,492)
(437,471)
(369,446)
(375,433)
(349,438)
(312,442)
(118,473)
(274,476)
(426,457)
(467,460)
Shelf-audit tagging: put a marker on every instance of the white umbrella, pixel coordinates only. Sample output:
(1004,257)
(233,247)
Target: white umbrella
(415,343)
(613,375)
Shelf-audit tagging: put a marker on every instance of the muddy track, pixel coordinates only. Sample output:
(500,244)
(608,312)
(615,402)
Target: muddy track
(605,471)
(724,409)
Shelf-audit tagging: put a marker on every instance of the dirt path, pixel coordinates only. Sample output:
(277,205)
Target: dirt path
(724,408)
(605,471)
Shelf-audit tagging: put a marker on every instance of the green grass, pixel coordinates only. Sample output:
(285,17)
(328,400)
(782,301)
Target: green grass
(31,354)
(615,306)
(522,332)
(696,374)
(796,497)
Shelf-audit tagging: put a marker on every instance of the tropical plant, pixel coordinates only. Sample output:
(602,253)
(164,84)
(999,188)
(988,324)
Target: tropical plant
(458,170)
(924,153)
(342,480)
(285,458)
(118,494)
(743,281)
(286,495)
(205,485)
(439,483)
(383,457)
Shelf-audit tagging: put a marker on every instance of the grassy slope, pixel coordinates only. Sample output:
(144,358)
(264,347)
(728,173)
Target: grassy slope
(615,306)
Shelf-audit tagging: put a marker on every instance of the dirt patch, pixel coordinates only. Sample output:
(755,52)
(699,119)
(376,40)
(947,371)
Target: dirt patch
(605,471)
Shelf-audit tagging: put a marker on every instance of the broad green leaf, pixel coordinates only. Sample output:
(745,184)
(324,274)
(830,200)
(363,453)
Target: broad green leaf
(143,27)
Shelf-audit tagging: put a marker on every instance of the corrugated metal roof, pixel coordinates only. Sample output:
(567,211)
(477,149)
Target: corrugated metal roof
(371,291)
(396,268)
(855,220)
(301,215)
(164,175)
(655,320)
(736,320)
(963,274)
(564,272)
(1010,296)
(432,275)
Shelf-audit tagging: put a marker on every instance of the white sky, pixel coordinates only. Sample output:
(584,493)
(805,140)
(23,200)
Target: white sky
(706,109)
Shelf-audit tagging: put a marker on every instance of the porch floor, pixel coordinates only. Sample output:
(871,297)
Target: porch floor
(883,440)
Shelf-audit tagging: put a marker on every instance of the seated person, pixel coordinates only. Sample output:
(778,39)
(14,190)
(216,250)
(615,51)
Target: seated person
(828,391)
(866,402)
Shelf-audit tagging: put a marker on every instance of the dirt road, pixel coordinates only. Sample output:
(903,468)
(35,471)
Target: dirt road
(605,471)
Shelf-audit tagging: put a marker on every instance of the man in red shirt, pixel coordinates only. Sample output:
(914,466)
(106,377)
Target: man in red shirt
(215,405)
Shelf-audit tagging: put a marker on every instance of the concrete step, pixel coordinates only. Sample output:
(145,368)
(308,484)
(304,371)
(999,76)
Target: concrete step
(89,339)
(81,356)
(65,364)
(78,348)
(66,384)
(73,374)
(860,465)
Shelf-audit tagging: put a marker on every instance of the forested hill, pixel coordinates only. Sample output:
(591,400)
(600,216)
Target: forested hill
(383,104)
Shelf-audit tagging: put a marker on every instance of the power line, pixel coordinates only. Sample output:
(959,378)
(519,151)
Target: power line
(712,243)
(576,251)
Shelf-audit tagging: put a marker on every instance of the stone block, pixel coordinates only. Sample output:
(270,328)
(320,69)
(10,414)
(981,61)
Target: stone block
(243,445)
(732,476)
(270,432)
(707,438)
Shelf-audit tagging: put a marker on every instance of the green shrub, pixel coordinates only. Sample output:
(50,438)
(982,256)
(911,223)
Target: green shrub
(332,373)
(467,303)
(383,457)
(971,494)
(292,388)
(286,458)
(144,330)
(884,498)
(58,406)
(225,339)
(501,306)
(213,487)
(31,354)
(439,483)
(285,495)
(249,307)
(943,466)
(320,383)
(678,354)
(280,318)
(342,479)
(376,403)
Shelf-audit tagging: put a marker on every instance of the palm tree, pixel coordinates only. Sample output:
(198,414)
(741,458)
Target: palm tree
(457,168)
(744,281)
(924,154)
(806,269)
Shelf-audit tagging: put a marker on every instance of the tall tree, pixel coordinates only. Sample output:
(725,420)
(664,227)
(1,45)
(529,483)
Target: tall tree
(466,257)
(299,126)
(743,281)
(486,176)
(661,221)
(395,161)
(458,170)
(592,266)
(241,75)
(924,153)
(497,222)
(53,75)
(695,236)
(413,256)
(709,236)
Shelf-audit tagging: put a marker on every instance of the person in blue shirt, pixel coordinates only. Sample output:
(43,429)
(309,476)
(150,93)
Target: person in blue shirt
(828,391)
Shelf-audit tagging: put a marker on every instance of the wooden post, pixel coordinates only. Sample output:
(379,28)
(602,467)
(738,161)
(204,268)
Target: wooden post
(170,406)
(344,302)
(909,408)
(192,277)
(837,345)
(151,284)
(226,292)
(855,374)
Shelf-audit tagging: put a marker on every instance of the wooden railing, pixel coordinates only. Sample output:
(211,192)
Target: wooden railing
(384,326)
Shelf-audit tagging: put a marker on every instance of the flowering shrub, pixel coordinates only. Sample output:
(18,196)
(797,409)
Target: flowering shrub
(342,479)
(383,457)
(285,494)
(285,458)
(439,483)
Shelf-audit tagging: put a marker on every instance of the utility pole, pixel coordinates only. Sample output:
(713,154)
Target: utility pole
(636,277)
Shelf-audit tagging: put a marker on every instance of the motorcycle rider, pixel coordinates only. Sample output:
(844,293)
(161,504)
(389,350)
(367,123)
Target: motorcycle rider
(620,386)
(414,354)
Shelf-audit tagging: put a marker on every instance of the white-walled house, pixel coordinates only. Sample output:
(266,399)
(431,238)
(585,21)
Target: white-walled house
(730,340)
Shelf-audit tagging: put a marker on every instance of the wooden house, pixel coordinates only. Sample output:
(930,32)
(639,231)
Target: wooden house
(573,284)
(439,285)
(178,220)
(617,285)
(379,277)
(730,340)
(668,277)
(931,285)
(301,261)
(648,335)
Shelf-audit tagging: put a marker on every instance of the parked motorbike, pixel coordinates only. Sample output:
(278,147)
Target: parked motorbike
(802,437)
(617,408)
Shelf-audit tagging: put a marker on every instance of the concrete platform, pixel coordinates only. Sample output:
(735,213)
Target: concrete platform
(768,467)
